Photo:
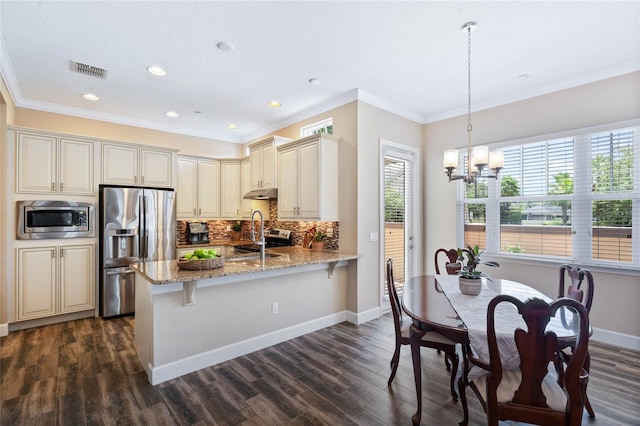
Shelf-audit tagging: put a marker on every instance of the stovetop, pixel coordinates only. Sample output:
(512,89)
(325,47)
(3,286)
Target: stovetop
(274,238)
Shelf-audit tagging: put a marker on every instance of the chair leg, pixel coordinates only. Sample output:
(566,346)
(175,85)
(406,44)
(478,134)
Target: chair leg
(395,360)
(463,400)
(587,405)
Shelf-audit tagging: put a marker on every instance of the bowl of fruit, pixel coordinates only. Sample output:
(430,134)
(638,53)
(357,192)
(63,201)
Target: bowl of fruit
(201,259)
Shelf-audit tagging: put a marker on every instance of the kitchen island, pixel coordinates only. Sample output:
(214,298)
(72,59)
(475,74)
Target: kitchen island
(188,320)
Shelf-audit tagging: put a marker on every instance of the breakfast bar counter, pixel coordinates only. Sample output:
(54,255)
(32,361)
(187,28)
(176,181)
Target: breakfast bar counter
(189,320)
(167,272)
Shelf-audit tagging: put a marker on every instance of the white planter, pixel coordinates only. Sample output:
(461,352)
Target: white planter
(470,286)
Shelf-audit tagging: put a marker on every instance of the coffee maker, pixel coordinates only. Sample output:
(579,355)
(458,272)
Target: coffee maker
(197,233)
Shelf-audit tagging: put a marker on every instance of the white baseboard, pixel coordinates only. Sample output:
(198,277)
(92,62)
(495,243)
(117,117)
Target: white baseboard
(614,338)
(4,330)
(362,317)
(162,373)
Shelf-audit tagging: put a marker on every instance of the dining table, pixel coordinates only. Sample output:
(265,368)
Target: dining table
(435,303)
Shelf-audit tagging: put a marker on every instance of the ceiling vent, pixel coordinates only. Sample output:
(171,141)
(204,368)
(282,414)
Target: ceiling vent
(88,69)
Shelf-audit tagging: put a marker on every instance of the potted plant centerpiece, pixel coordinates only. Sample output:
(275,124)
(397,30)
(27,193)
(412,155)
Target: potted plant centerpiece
(317,243)
(470,280)
(235,229)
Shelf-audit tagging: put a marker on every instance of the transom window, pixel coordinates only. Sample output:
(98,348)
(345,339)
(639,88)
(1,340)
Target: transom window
(573,198)
(324,126)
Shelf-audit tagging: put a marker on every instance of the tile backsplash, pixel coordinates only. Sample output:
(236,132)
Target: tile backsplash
(218,229)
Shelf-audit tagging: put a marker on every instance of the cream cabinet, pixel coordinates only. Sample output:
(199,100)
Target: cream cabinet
(263,162)
(308,179)
(247,205)
(54,279)
(230,189)
(48,164)
(198,188)
(136,166)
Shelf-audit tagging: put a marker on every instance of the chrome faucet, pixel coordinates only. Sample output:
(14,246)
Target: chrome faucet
(261,242)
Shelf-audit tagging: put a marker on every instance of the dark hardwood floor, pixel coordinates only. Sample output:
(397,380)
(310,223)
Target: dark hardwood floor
(87,372)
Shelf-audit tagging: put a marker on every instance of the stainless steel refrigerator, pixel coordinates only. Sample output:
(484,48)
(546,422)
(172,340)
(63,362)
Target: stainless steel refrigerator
(136,225)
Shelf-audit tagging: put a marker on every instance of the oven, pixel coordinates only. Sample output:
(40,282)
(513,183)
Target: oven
(55,219)
(274,238)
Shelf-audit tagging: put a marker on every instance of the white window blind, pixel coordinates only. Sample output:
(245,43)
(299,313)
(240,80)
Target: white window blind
(576,198)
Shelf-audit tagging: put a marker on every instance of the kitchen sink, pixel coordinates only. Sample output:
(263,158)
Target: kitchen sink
(252,259)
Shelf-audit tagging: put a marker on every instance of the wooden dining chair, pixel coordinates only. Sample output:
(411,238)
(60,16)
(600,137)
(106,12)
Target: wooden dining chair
(450,257)
(531,393)
(430,340)
(583,294)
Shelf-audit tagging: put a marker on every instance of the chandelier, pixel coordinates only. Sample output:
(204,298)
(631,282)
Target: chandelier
(478,158)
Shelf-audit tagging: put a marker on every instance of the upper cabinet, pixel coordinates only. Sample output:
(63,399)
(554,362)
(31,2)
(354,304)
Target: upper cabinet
(263,162)
(48,164)
(308,179)
(136,166)
(198,188)
(230,189)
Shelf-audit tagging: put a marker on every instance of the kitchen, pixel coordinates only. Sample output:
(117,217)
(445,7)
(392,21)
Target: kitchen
(361,123)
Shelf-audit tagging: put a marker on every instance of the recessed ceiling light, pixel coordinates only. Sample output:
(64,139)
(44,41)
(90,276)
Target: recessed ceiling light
(171,114)
(232,126)
(274,104)
(224,46)
(314,81)
(90,97)
(155,70)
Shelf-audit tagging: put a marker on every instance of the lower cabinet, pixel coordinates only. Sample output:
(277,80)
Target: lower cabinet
(54,280)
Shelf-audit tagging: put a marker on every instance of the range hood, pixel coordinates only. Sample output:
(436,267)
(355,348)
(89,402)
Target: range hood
(262,194)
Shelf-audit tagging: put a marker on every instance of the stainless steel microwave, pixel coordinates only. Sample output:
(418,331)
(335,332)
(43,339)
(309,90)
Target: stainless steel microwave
(55,219)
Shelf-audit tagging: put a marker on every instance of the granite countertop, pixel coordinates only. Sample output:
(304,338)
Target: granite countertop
(167,272)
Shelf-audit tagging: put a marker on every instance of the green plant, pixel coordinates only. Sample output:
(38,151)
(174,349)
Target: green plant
(473,260)
(237,227)
(514,249)
(320,236)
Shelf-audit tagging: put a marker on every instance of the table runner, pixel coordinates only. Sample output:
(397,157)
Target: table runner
(472,310)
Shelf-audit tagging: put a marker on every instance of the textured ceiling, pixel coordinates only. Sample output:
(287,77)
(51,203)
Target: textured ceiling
(407,57)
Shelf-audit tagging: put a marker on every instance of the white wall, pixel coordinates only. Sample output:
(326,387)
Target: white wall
(608,101)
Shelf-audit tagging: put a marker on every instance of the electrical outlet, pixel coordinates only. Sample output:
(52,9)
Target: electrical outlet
(228,227)
(274,308)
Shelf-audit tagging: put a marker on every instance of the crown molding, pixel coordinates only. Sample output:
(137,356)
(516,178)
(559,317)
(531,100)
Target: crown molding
(6,69)
(391,107)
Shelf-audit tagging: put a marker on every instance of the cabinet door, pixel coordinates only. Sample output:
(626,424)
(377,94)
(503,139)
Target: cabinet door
(36,293)
(208,188)
(246,187)
(309,181)
(268,167)
(186,188)
(288,183)
(230,189)
(77,278)
(76,167)
(119,164)
(257,167)
(36,164)
(156,168)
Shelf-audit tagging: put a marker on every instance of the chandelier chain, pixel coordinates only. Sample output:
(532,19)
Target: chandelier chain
(469,78)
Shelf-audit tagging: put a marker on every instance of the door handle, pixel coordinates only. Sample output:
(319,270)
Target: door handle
(128,271)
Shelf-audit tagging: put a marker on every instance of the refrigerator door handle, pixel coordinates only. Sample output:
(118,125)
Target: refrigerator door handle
(121,272)
(145,233)
(141,228)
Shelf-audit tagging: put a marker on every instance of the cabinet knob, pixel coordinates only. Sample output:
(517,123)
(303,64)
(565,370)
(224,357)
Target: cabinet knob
(61,186)
(53,186)
(61,252)
(199,212)
(53,253)
(135,179)
(142,180)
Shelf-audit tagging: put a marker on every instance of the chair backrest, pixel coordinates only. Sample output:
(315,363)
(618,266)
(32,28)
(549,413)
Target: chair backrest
(537,347)
(451,257)
(575,290)
(393,298)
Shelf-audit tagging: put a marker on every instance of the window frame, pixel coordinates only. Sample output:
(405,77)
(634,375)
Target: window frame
(311,129)
(581,197)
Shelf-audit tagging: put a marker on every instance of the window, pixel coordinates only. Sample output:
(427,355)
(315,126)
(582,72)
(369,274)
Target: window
(324,126)
(574,198)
